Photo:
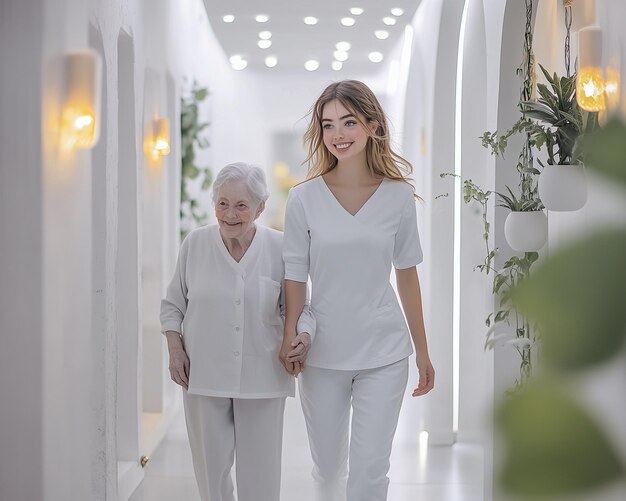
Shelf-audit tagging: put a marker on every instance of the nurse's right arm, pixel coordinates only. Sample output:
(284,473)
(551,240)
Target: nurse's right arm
(295,296)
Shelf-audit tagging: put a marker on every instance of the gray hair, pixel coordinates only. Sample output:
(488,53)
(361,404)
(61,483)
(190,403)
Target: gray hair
(252,175)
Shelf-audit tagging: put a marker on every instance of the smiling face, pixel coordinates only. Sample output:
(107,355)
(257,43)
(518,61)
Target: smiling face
(236,210)
(343,134)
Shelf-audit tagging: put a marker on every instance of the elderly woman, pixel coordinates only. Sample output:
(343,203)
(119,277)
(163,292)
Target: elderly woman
(223,318)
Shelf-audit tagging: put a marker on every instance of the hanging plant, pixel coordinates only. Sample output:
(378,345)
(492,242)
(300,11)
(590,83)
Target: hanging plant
(192,137)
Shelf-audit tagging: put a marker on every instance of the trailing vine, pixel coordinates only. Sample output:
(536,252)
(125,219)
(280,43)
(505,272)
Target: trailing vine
(191,130)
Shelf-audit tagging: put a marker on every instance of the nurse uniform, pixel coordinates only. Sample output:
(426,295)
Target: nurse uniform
(230,317)
(362,343)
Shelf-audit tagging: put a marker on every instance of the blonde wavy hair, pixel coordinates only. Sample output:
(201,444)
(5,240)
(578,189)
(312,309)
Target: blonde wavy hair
(359,100)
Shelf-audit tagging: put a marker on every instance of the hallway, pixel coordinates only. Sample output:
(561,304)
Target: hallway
(115,119)
(418,472)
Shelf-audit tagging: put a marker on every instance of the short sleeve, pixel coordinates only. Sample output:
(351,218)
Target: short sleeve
(296,241)
(407,250)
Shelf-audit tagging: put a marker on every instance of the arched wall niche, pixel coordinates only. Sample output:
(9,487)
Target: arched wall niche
(127,273)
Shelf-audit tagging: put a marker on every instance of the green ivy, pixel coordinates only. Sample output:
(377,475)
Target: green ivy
(192,138)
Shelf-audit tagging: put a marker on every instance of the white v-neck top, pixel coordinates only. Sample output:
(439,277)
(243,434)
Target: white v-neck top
(229,314)
(360,324)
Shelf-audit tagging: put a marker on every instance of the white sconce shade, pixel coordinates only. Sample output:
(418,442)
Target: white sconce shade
(82,90)
(590,84)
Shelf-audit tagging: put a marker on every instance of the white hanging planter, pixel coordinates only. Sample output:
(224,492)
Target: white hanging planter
(526,231)
(563,187)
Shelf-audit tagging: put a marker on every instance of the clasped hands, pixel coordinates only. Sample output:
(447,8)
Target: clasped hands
(293,352)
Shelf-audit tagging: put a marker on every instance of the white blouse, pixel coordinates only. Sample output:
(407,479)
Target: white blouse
(229,314)
(360,324)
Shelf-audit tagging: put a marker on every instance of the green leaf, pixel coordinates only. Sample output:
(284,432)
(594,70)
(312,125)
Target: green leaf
(577,298)
(606,149)
(553,447)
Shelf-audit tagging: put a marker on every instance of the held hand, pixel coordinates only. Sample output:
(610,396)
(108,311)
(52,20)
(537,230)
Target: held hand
(426,376)
(301,346)
(179,367)
(293,368)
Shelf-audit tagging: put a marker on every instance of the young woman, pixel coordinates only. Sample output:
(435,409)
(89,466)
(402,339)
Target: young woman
(344,228)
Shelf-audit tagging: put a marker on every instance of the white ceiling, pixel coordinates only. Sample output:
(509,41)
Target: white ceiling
(294,42)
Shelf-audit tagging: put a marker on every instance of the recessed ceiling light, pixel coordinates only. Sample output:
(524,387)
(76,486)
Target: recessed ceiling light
(356,11)
(347,21)
(381,34)
(397,11)
(336,65)
(238,62)
(389,21)
(265,35)
(312,65)
(341,55)
(264,44)
(345,46)
(228,18)
(375,57)
(310,20)
(262,18)
(271,61)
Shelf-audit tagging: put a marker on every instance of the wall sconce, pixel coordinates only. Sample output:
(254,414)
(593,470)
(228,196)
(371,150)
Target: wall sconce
(82,90)
(159,144)
(590,84)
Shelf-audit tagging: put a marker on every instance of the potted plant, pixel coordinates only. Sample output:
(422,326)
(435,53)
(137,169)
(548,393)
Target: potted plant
(526,226)
(556,124)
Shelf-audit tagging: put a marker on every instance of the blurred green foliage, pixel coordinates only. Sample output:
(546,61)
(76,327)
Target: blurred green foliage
(577,296)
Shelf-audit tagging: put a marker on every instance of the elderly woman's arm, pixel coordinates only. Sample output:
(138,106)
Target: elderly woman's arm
(173,309)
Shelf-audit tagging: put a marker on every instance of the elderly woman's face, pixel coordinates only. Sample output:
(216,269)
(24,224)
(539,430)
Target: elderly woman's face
(236,210)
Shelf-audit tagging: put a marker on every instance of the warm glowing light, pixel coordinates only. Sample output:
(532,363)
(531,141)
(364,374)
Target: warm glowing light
(228,18)
(347,21)
(264,44)
(397,12)
(265,35)
(336,65)
(262,18)
(381,34)
(344,46)
(590,78)
(590,89)
(310,20)
(312,65)
(77,128)
(356,11)
(389,21)
(341,55)
(159,143)
(271,61)
(82,74)
(375,57)
(612,88)
(280,170)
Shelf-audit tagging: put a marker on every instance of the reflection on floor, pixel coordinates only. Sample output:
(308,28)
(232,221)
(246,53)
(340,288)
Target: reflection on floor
(418,473)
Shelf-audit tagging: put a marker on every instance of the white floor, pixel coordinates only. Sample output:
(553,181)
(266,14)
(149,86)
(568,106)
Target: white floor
(418,472)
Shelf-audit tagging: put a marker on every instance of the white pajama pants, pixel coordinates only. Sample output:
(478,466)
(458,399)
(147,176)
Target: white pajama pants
(376,396)
(250,429)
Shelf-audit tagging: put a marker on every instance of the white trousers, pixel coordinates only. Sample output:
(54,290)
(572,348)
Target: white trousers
(376,396)
(250,429)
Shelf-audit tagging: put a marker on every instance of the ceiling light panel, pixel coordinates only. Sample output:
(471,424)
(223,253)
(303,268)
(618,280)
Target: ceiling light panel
(293,41)
(262,18)
(348,21)
(310,20)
